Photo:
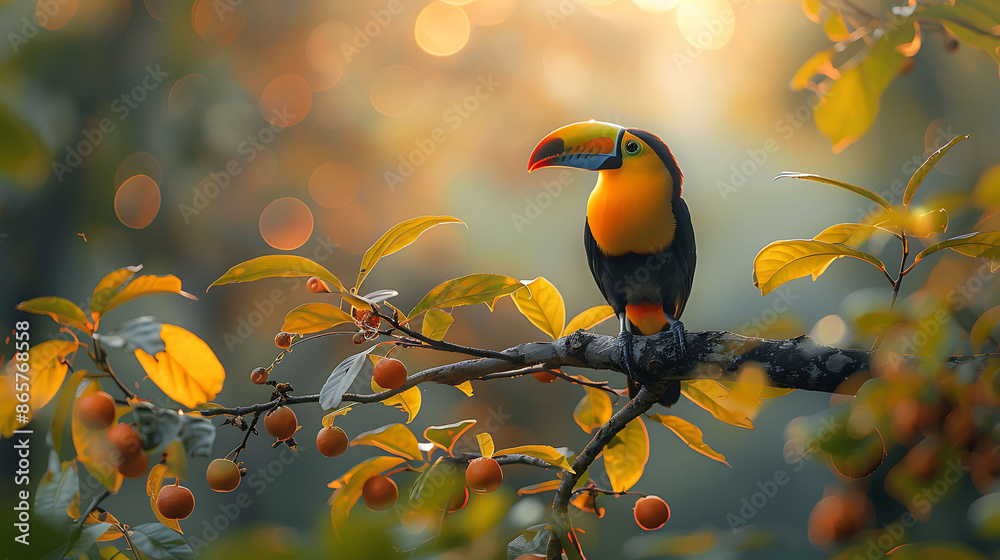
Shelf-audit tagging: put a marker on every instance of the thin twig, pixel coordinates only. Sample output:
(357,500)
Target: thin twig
(445,346)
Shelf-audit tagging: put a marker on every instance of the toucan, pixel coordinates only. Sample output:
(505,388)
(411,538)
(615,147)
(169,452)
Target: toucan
(638,232)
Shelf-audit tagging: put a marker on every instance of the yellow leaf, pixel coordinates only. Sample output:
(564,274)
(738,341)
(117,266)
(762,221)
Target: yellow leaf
(877,199)
(925,168)
(589,319)
(625,457)
(145,285)
(549,454)
(987,191)
(810,68)
(64,405)
(445,436)
(782,261)
(977,245)
(543,305)
(61,310)
(276,266)
(689,434)
(540,487)
(394,438)
(108,287)
(927,223)
(328,419)
(811,9)
(468,290)
(187,371)
(153,483)
(408,401)
(983,327)
(44,371)
(436,323)
(396,238)
(465,387)
(849,107)
(835,27)
(92,449)
(720,402)
(314,317)
(486,447)
(593,411)
(852,235)
(347,489)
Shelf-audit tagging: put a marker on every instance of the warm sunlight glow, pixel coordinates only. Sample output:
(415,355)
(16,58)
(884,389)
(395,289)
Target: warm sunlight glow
(286,223)
(286,100)
(333,184)
(442,29)
(137,201)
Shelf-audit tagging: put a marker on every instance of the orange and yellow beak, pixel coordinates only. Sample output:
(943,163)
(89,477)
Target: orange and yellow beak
(590,145)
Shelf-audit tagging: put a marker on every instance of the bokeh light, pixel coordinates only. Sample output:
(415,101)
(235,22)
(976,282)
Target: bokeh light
(259,171)
(442,29)
(137,201)
(184,94)
(286,223)
(159,9)
(323,54)
(55,15)
(217,27)
(829,330)
(139,163)
(655,6)
(392,90)
(490,12)
(707,24)
(333,184)
(286,100)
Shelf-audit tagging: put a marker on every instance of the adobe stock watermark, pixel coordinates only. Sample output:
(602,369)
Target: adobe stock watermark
(365,33)
(452,118)
(121,107)
(215,182)
(534,205)
(46,11)
(767,489)
(263,309)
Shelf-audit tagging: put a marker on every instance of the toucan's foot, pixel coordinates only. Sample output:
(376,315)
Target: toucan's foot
(677,329)
(625,337)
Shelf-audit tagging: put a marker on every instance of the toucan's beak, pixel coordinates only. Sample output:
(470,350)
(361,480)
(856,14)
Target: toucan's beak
(590,145)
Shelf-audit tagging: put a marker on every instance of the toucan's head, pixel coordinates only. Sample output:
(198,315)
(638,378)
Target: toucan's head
(601,146)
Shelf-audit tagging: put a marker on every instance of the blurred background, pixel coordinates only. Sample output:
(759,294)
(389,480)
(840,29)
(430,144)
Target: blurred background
(191,137)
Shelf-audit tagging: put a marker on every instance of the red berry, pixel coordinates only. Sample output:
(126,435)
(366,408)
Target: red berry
(96,410)
(223,475)
(484,475)
(281,423)
(651,512)
(175,502)
(331,441)
(544,376)
(390,373)
(379,493)
(283,340)
(259,375)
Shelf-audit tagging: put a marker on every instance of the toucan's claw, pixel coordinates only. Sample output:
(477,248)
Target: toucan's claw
(677,329)
(626,340)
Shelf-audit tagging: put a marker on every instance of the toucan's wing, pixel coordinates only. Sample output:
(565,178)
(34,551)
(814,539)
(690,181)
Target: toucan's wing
(676,285)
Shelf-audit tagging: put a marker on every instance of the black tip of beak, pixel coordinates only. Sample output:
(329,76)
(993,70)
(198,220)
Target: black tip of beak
(546,151)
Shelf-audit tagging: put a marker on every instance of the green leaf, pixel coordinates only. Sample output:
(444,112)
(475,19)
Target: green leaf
(593,411)
(342,377)
(533,540)
(394,438)
(160,542)
(852,235)
(625,457)
(436,323)
(547,453)
(446,435)
(589,319)
(108,287)
(983,327)
(976,245)
(276,266)
(313,318)
(61,310)
(396,238)
(543,305)
(468,290)
(925,168)
(141,332)
(87,537)
(23,155)
(853,188)
(145,285)
(689,434)
(55,492)
(782,261)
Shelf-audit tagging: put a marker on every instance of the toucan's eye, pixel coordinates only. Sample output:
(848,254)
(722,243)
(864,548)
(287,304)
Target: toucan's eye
(632,147)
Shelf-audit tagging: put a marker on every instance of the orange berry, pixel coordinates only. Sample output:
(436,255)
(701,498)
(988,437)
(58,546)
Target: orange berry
(223,475)
(97,410)
(281,423)
(372,321)
(651,512)
(390,373)
(331,441)
(126,441)
(259,375)
(134,466)
(316,286)
(483,475)
(379,493)
(544,376)
(283,340)
(175,502)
